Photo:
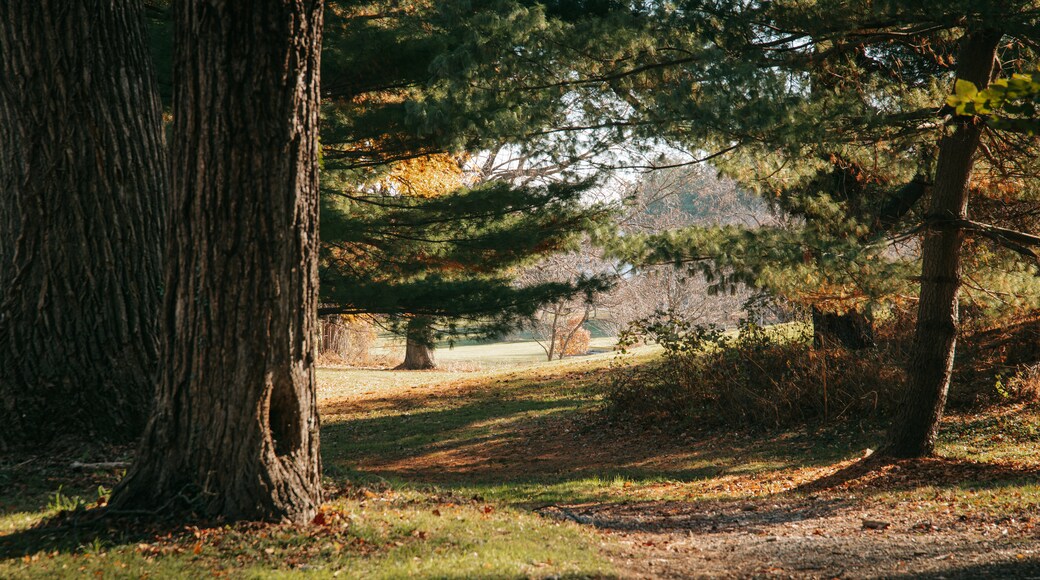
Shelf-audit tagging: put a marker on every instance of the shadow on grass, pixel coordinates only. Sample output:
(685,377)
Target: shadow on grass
(548,438)
(552,430)
(31,481)
(84,531)
(550,442)
(405,432)
(704,517)
(882,474)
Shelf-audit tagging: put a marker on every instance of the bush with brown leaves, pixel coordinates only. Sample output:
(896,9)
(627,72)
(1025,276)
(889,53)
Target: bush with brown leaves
(763,377)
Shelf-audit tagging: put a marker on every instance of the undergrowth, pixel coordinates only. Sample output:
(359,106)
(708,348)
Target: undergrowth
(776,377)
(997,364)
(762,377)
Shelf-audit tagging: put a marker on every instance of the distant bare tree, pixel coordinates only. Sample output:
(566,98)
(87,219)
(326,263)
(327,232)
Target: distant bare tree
(686,196)
(661,200)
(674,198)
(557,324)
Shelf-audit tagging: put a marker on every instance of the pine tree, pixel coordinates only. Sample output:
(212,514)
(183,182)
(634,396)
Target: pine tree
(783,94)
(931,360)
(752,85)
(235,429)
(82,215)
(432,266)
(449,260)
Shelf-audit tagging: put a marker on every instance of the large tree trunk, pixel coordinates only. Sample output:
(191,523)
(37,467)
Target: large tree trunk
(418,350)
(931,359)
(82,209)
(235,429)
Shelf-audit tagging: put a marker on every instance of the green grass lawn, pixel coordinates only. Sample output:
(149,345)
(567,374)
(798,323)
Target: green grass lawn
(447,474)
(469,355)
(468,361)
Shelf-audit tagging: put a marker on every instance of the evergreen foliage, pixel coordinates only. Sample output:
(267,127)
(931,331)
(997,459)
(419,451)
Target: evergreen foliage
(838,113)
(450,257)
(825,105)
(831,111)
(407,247)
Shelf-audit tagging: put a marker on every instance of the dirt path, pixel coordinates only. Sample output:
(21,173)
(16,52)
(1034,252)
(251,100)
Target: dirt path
(812,538)
(703,510)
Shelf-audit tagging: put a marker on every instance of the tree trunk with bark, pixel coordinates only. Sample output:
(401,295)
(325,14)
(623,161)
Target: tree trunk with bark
(915,428)
(235,429)
(83,193)
(418,353)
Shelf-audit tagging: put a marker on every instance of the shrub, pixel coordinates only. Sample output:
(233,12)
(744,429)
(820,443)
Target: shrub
(763,376)
(345,340)
(578,338)
(998,364)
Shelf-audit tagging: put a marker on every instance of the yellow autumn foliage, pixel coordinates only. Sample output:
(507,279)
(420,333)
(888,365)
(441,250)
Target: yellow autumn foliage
(426,176)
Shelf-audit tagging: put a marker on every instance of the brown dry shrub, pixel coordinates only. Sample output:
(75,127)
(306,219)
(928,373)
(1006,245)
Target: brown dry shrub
(997,364)
(580,338)
(771,380)
(762,378)
(345,341)
(386,360)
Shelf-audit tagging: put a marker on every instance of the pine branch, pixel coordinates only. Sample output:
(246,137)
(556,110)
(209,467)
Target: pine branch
(1014,240)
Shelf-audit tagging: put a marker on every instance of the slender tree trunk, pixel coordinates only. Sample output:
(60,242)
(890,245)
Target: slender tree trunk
(931,360)
(565,344)
(418,353)
(82,208)
(554,332)
(235,429)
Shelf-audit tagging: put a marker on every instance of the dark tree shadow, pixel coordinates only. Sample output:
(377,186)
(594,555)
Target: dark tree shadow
(1024,568)
(428,438)
(844,475)
(80,530)
(878,474)
(700,517)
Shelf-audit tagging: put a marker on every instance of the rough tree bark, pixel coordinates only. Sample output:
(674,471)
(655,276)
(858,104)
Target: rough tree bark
(916,426)
(83,182)
(418,352)
(235,429)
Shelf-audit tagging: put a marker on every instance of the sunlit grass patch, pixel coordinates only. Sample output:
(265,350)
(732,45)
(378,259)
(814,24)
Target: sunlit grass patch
(366,533)
(1010,433)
